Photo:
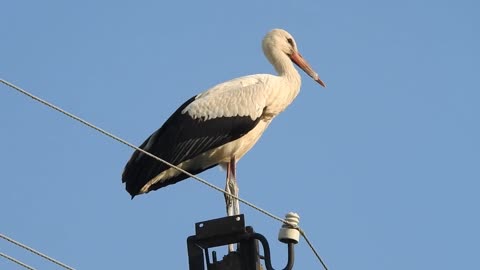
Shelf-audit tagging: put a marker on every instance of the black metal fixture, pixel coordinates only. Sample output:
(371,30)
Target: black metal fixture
(231,230)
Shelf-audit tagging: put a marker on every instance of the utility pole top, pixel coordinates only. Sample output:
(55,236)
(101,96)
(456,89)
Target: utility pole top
(230,230)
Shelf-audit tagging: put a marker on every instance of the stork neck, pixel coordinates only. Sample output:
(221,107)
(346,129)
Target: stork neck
(284,67)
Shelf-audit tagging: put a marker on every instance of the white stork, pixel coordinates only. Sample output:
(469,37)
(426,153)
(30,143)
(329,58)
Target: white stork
(220,125)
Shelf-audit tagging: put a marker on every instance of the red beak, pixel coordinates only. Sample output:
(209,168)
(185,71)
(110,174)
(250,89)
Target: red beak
(303,64)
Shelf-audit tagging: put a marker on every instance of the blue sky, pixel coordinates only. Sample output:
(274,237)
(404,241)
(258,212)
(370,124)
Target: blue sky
(383,166)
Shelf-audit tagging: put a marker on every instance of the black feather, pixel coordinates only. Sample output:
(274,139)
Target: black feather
(179,139)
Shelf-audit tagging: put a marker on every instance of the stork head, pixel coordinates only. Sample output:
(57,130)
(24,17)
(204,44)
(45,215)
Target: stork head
(279,41)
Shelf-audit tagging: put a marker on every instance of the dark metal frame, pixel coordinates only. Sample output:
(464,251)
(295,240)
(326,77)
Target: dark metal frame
(230,230)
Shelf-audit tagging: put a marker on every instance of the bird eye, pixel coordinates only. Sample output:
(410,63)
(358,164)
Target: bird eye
(290,41)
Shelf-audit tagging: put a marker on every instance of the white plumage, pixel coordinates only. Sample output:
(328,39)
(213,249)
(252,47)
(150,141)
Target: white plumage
(248,99)
(220,125)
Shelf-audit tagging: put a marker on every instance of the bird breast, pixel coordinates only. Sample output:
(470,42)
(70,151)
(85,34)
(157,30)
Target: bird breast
(280,96)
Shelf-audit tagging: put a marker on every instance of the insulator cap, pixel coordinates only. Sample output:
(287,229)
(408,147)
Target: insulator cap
(288,233)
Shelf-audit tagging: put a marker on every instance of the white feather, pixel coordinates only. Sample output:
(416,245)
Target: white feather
(252,96)
(245,96)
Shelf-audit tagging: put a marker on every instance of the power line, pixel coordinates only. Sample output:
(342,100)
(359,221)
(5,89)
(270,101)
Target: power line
(314,250)
(16,261)
(38,253)
(112,136)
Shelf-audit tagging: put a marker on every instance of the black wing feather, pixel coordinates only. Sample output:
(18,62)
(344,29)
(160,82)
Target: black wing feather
(179,139)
